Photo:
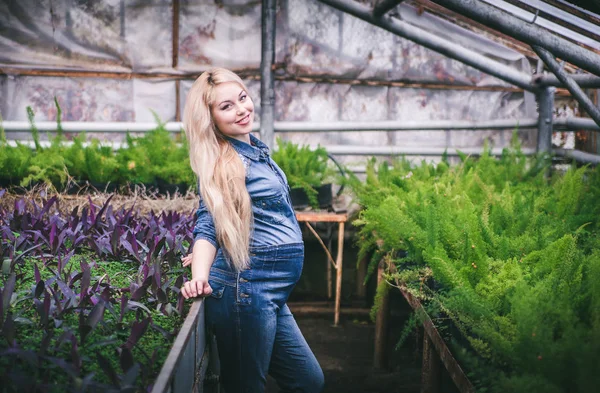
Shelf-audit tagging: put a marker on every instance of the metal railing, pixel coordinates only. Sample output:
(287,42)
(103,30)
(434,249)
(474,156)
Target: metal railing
(561,124)
(186,365)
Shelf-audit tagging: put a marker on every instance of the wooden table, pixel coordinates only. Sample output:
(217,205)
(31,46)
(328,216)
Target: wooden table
(341,219)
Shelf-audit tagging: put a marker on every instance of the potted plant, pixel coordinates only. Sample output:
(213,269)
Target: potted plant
(308,172)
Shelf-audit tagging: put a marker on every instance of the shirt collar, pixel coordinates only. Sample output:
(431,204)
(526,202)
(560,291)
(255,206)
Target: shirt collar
(253,151)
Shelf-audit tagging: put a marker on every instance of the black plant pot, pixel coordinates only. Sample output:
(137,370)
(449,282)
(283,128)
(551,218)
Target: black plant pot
(299,198)
(324,197)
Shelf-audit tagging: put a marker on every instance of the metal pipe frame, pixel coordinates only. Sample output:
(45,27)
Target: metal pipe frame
(527,32)
(591,81)
(434,125)
(578,155)
(575,123)
(561,124)
(436,43)
(267,91)
(285,126)
(345,149)
(545,99)
(383,6)
(570,84)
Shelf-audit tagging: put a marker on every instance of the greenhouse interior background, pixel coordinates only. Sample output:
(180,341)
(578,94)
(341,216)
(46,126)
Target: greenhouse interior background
(460,137)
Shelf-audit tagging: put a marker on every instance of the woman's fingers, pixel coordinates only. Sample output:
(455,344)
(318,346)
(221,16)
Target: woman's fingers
(196,288)
(207,290)
(184,292)
(187,260)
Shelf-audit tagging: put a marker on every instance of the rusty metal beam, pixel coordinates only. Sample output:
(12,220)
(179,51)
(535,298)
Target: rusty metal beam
(570,84)
(253,74)
(175,32)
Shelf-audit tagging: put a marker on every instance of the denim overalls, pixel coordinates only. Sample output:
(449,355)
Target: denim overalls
(247,311)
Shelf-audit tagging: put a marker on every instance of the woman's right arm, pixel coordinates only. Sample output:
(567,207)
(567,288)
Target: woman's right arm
(201,260)
(202,256)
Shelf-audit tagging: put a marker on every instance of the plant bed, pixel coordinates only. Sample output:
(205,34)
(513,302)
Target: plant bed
(90,297)
(155,159)
(504,259)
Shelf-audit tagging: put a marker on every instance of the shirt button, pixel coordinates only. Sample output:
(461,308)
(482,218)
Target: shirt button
(243,279)
(244,295)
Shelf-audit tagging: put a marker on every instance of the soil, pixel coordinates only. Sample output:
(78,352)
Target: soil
(346,353)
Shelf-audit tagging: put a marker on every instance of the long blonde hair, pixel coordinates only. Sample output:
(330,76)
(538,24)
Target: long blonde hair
(219,168)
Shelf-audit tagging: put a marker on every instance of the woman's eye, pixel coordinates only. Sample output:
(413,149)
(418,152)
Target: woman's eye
(243,98)
(225,107)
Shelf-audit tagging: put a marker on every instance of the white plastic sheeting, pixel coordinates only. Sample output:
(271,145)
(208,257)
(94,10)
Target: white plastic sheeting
(107,35)
(313,40)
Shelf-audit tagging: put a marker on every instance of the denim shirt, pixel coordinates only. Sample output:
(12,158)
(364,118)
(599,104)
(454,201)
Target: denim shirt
(274,220)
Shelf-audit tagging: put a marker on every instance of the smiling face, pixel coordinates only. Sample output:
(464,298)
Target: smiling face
(233,111)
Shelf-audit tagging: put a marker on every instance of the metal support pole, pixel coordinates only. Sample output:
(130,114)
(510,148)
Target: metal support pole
(436,43)
(524,31)
(545,99)
(267,91)
(570,84)
(383,7)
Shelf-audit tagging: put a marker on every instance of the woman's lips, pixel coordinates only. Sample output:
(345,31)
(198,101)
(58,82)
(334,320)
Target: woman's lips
(245,120)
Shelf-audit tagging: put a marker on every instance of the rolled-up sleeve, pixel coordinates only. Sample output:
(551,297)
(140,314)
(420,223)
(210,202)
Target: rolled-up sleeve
(205,226)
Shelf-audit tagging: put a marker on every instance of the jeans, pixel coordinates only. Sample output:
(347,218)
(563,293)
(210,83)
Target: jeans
(255,331)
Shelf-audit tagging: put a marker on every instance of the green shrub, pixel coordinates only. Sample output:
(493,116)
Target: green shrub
(304,168)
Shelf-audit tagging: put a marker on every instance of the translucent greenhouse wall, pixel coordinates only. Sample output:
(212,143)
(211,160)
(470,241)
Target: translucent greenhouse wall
(316,47)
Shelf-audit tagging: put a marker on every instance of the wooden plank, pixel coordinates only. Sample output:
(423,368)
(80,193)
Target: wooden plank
(458,376)
(321,217)
(430,371)
(361,275)
(381,326)
(338,267)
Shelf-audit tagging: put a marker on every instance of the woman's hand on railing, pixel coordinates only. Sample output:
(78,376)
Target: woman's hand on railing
(196,286)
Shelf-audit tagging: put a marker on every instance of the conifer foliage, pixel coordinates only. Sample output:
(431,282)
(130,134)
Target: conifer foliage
(505,257)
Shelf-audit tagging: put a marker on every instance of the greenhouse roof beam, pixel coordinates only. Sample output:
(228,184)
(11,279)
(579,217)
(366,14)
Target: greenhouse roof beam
(525,31)
(383,7)
(569,83)
(436,43)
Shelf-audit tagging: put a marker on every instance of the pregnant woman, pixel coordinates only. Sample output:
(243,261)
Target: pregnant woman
(248,252)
